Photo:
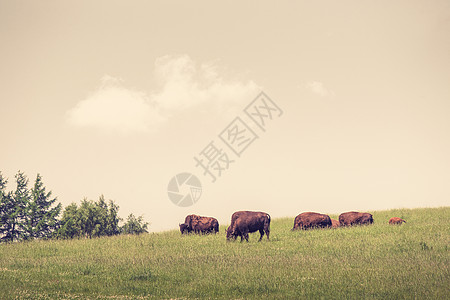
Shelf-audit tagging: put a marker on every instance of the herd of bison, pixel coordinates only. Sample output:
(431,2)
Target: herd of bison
(245,222)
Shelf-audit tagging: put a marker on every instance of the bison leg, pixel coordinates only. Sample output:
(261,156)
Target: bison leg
(246,236)
(261,232)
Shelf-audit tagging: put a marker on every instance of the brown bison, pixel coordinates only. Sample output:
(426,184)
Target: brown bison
(199,224)
(245,222)
(184,228)
(396,221)
(355,218)
(188,220)
(205,225)
(334,223)
(309,220)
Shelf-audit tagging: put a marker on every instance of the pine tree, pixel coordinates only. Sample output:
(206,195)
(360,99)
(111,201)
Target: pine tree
(21,200)
(13,209)
(41,219)
(6,208)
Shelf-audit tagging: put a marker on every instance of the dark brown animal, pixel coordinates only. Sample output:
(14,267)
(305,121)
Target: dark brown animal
(205,225)
(188,220)
(199,224)
(355,218)
(309,220)
(334,223)
(245,222)
(184,228)
(396,221)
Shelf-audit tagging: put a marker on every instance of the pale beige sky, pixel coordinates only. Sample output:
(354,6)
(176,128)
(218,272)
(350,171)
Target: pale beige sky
(116,97)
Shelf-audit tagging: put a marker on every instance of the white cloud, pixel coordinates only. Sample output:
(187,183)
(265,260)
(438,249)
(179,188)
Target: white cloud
(115,108)
(185,85)
(318,88)
(182,84)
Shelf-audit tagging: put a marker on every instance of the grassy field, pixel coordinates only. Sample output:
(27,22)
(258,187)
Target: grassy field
(380,261)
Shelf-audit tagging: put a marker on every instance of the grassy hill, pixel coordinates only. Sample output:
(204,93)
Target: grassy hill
(373,262)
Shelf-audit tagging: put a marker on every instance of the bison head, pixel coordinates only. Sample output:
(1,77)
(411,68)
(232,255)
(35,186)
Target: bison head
(367,219)
(184,228)
(231,233)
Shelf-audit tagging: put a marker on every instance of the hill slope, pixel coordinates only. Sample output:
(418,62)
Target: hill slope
(378,261)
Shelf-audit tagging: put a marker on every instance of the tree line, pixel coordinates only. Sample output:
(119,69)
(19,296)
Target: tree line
(33,213)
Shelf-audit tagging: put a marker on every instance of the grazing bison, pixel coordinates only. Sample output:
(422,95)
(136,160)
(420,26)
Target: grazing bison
(309,220)
(355,218)
(396,221)
(199,224)
(245,222)
(334,223)
(205,225)
(184,228)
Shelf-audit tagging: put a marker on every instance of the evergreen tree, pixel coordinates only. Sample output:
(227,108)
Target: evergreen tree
(13,209)
(6,209)
(134,225)
(21,199)
(41,218)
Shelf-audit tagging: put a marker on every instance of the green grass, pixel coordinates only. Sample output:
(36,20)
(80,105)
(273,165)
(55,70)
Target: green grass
(372,262)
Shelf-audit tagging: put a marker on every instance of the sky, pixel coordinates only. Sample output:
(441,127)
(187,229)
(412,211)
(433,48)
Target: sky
(118,97)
